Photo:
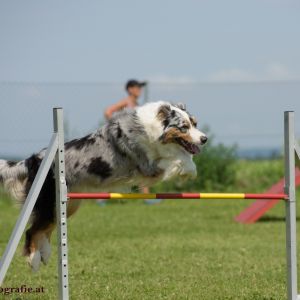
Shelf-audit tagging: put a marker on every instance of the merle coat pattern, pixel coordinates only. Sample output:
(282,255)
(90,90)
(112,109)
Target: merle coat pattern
(137,146)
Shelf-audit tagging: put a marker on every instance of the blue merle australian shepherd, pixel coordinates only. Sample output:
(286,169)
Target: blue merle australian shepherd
(140,146)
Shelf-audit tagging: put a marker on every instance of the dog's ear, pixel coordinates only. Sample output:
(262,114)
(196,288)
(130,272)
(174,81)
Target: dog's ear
(181,106)
(164,112)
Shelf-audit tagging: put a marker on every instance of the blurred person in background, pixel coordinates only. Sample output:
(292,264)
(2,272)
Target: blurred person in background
(134,90)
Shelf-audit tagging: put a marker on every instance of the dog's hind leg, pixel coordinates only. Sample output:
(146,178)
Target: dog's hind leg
(37,244)
(45,246)
(31,248)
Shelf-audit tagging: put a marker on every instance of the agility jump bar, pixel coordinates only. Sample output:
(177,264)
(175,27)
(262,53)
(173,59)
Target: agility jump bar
(177,196)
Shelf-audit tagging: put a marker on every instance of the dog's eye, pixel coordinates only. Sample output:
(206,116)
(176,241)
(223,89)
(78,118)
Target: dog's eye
(184,129)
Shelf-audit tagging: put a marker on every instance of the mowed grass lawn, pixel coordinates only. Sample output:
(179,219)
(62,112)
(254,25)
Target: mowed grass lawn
(184,249)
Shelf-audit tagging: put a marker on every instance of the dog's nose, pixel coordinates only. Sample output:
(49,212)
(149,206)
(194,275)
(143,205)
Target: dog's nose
(203,139)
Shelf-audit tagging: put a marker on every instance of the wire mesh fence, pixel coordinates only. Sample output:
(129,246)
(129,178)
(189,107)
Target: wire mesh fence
(248,114)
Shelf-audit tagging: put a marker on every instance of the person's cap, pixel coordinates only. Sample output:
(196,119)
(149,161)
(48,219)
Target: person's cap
(132,82)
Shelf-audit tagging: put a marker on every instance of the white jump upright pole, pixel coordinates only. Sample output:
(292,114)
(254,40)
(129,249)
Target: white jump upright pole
(291,246)
(61,206)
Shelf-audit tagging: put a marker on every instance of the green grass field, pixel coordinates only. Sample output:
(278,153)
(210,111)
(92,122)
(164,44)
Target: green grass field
(180,249)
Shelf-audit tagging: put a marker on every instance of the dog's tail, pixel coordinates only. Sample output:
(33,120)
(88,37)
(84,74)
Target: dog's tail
(13,176)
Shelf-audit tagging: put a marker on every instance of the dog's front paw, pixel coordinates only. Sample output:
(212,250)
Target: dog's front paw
(192,174)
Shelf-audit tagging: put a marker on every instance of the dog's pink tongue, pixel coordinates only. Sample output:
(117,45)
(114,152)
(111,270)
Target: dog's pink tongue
(195,149)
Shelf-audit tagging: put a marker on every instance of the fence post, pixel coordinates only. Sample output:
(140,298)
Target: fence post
(290,204)
(61,206)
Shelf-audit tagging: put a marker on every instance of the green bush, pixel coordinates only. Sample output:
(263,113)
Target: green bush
(215,167)
(254,176)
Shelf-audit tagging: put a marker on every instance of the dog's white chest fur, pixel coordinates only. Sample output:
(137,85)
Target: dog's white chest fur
(174,162)
(182,166)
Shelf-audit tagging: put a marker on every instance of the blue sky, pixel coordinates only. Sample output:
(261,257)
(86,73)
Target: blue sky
(161,40)
(229,60)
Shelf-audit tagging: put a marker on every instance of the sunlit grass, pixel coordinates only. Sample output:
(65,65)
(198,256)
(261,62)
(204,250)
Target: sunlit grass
(185,249)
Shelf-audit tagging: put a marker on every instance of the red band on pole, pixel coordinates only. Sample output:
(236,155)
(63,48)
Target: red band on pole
(89,195)
(266,196)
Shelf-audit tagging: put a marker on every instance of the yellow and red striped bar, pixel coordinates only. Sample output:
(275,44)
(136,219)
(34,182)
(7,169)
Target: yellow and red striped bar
(176,196)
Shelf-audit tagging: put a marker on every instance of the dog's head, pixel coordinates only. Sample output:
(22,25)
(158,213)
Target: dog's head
(179,127)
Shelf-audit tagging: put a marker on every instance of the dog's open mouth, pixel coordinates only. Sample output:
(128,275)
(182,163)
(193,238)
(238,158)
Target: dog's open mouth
(189,147)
